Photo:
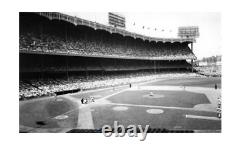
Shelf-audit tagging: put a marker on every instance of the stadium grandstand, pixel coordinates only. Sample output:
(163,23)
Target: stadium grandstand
(58,52)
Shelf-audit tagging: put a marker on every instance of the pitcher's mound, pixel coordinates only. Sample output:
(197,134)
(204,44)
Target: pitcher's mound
(120,108)
(152,95)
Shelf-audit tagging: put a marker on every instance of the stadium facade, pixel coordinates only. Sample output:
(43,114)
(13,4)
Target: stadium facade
(58,49)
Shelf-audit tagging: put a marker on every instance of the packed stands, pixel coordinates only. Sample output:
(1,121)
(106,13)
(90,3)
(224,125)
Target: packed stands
(56,56)
(39,34)
(43,87)
(211,70)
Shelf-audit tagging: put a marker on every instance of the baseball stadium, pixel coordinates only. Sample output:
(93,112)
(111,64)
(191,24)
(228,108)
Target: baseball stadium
(76,75)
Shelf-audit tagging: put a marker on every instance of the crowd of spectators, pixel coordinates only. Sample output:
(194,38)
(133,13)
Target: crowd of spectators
(60,38)
(42,87)
(84,47)
(40,35)
(212,70)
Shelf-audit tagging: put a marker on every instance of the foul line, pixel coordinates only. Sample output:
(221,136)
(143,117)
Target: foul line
(202,117)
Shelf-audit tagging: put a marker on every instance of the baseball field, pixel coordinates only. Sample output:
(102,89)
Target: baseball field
(186,104)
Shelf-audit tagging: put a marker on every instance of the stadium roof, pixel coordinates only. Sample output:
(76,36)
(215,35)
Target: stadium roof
(97,26)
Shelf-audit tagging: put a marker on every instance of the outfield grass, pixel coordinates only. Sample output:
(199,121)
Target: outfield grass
(197,82)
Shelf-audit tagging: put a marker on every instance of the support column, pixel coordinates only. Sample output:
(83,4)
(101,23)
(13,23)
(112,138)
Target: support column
(192,46)
(67,63)
(154,67)
(192,63)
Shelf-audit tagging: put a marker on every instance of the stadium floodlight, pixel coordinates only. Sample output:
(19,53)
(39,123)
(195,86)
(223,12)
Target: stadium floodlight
(188,32)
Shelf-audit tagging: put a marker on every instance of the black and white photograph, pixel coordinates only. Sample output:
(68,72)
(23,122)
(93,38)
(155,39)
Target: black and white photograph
(124,74)
(120,72)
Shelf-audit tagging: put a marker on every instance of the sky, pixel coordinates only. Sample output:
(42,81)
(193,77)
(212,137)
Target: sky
(209,23)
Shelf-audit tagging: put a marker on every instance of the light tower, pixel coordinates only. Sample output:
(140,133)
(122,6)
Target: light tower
(189,32)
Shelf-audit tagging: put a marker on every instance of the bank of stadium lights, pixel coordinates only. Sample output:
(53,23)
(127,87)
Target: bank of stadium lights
(188,32)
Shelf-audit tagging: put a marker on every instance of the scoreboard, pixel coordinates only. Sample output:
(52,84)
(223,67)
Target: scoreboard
(188,32)
(116,20)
